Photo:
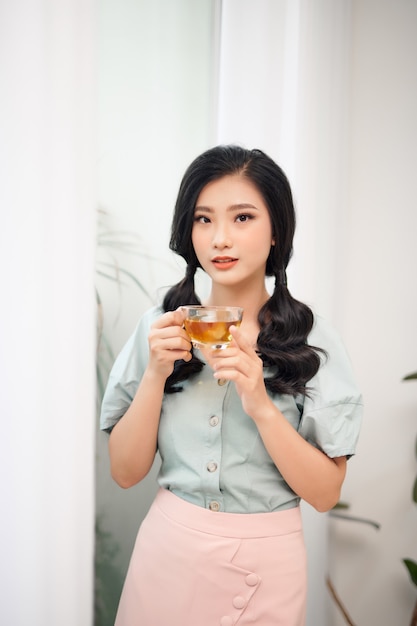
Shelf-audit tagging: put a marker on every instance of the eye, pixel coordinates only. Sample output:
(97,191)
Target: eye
(244,217)
(201,219)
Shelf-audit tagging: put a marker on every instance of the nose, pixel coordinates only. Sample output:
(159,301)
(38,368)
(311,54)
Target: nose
(221,237)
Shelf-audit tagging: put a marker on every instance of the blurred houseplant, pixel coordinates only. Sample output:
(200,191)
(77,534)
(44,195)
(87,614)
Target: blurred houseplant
(340,512)
(111,246)
(410,564)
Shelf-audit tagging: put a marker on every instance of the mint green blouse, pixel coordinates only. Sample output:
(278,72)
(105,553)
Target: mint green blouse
(211,452)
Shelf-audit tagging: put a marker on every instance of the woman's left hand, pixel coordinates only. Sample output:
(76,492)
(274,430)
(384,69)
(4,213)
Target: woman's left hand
(314,476)
(241,364)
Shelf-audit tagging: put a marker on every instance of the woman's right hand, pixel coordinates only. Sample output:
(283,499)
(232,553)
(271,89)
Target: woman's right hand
(168,342)
(133,440)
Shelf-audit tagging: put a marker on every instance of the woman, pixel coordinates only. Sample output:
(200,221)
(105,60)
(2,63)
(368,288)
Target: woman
(243,433)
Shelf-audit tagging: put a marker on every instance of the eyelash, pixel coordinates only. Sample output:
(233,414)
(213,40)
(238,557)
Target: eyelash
(206,220)
(247,217)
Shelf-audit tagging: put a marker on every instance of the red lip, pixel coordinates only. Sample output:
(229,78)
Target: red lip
(224,262)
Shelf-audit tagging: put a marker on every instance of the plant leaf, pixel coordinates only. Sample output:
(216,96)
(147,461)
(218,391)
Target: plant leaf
(116,278)
(412,376)
(341,505)
(415,491)
(352,518)
(135,281)
(412,569)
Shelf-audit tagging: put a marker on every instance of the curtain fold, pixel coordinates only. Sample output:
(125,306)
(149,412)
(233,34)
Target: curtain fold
(283,86)
(47,318)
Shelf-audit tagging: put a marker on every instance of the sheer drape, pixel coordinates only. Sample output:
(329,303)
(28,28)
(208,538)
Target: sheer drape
(47,327)
(283,80)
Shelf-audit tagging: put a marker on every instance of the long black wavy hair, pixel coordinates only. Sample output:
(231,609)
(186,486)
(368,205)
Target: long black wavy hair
(284,322)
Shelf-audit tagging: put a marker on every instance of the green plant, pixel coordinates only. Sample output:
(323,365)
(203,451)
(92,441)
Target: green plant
(409,563)
(112,245)
(339,512)
(108,579)
(343,506)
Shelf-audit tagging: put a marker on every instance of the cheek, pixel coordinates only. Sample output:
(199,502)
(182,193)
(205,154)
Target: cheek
(197,241)
(193,239)
(261,241)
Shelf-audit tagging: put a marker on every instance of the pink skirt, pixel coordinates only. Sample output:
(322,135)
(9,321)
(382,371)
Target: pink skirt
(195,567)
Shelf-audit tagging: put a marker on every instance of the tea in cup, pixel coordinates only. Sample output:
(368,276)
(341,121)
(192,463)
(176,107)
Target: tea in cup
(209,325)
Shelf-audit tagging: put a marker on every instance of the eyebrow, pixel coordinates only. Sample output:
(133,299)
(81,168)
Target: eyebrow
(234,207)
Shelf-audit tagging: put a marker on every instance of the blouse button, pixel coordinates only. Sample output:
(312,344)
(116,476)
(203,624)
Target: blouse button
(212,466)
(214,420)
(221,381)
(214,505)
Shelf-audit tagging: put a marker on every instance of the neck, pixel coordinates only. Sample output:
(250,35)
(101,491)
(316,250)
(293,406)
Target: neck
(251,301)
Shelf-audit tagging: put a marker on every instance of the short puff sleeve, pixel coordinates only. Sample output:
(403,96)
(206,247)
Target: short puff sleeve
(127,372)
(332,412)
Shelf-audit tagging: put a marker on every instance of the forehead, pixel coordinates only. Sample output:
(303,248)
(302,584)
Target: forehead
(230,190)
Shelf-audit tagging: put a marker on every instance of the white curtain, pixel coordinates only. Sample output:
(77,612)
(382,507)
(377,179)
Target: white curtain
(283,81)
(47,317)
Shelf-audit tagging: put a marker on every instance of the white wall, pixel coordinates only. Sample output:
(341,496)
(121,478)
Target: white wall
(378,312)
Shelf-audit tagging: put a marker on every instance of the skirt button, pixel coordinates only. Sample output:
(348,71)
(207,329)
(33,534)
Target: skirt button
(239,602)
(252,580)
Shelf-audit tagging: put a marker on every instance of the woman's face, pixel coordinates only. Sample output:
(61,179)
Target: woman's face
(232,232)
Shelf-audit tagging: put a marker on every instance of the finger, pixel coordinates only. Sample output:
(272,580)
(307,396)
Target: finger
(181,313)
(170,338)
(236,365)
(241,341)
(214,357)
(168,332)
(171,318)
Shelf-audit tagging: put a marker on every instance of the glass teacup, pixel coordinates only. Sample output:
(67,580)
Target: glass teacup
(209,325)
